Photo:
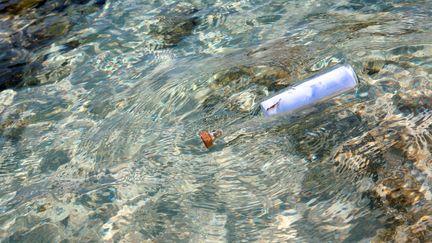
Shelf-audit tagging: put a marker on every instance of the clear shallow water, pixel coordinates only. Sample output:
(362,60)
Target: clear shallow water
(106,149)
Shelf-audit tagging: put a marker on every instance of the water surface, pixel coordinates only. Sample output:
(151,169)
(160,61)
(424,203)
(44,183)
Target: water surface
(100,142)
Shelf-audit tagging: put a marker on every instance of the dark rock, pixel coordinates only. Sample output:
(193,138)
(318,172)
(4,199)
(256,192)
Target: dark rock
(14,58)
(42,31)
(18,6)
(61,5)
(53,6)
(398,190)
(99,2)
(365,6)
(32,30)
(43,6)
(24,224)
(42,233)
(174,23)
(12,65)
(80,1)
(53,160)
(52,71)
(28,193)
(268,19)
(98,197)
(10,76)
(12,128)
(373,67)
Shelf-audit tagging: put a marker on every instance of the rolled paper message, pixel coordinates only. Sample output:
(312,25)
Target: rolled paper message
(318,88)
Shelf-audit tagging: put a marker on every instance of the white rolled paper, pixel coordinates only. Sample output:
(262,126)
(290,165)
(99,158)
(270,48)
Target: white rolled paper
(318,88)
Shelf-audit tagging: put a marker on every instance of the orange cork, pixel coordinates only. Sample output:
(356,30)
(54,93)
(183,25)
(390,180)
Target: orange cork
(208,138)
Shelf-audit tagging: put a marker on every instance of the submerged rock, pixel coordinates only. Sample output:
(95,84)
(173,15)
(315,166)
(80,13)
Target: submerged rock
(42,233)
(12,66)
(396,154)
(27,27)
(398,189)
(13,128)
(420,231)
(174,22)
(53,160)
(43,30)
(18,6)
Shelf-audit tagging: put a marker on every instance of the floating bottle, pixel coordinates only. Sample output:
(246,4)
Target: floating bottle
(299,97)
(318,88)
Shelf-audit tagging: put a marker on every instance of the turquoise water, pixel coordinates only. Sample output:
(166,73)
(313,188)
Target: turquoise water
(100,142)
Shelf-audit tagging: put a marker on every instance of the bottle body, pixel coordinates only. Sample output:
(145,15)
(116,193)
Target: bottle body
(318,88)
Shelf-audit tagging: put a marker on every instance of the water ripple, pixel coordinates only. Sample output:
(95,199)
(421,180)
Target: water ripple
(100,142)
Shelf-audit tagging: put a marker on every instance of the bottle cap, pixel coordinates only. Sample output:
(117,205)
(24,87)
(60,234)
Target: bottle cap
(208,138)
